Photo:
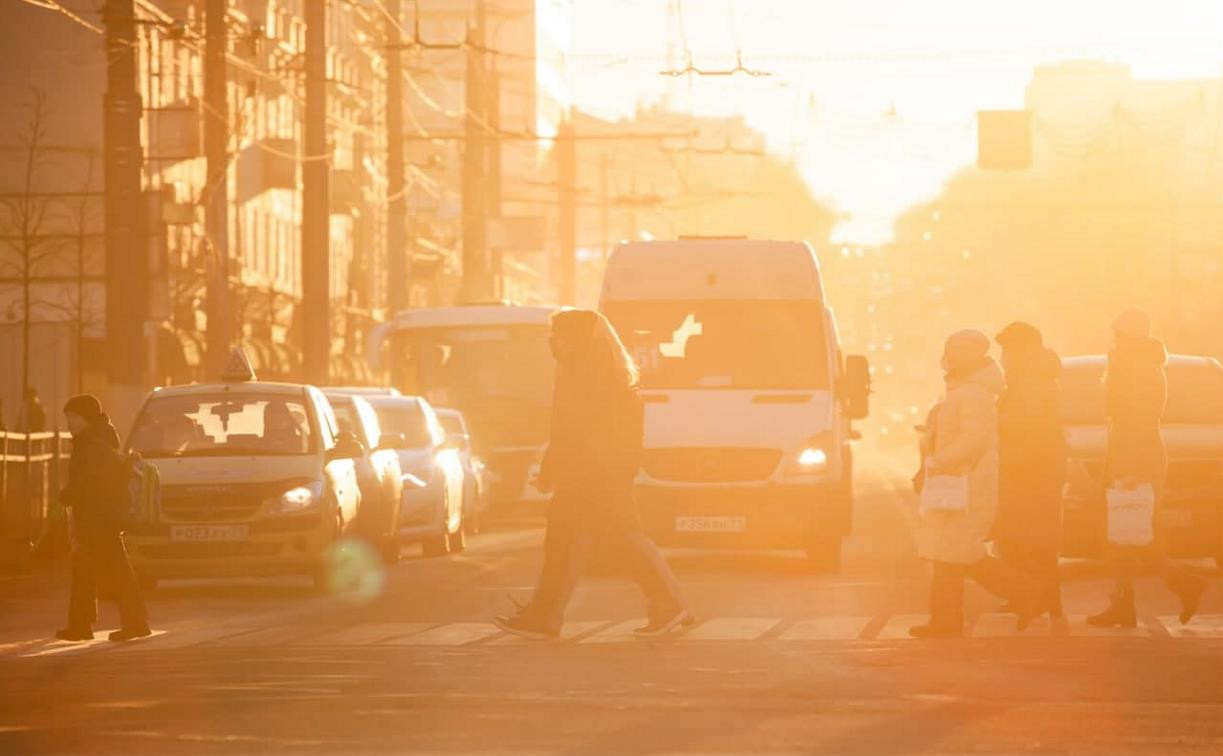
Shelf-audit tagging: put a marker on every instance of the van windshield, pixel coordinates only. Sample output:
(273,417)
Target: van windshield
(224,425)
(725,344)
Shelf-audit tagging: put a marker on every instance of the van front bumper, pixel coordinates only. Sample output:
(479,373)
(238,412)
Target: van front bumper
(779,516)
(293,545)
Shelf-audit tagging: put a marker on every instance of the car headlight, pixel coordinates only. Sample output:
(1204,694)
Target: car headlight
(298,499)
(813,458)
(813,454)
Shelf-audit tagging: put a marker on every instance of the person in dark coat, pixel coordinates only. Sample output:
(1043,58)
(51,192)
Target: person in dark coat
(99,558)
(1031,460)
(33,417)
(592,459)
(1136,394)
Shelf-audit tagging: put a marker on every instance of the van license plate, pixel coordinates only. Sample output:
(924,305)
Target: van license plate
(208,533)
(736,524)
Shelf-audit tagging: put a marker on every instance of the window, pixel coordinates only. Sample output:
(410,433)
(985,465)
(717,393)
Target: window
(409,419)
(223,425)
(714,344)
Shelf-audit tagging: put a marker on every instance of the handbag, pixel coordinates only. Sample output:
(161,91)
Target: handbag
(1131,515)
(944,493)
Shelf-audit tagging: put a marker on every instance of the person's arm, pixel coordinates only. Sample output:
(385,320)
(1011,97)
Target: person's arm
(959,454)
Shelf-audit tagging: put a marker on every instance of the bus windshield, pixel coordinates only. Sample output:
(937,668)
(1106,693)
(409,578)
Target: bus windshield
(719,344)
(500,377)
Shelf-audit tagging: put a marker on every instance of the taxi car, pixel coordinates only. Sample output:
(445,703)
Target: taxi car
(255,480)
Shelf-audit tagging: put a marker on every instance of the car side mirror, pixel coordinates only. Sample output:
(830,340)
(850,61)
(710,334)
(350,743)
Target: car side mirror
(347,446)
(856,392)
(456,442)
(393,441)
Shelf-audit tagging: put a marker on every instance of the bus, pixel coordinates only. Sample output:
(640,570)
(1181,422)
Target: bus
(491,362)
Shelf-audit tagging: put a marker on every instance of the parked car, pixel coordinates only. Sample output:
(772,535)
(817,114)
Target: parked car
(475,483)
(432,513)
(255,481)
(379,475)
(1192,509)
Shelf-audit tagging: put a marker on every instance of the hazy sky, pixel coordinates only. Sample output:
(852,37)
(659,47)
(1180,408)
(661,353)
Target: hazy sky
(875,98)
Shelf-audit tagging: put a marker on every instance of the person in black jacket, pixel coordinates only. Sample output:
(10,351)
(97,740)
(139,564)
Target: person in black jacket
(592,459)
(1031,460)
(98,555)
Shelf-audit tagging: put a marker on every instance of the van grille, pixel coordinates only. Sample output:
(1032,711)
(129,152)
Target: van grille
(711,465)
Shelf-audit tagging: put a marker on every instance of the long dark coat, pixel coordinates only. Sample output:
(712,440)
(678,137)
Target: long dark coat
(595,447)
(1031,452)
(92,468)
(1136,387)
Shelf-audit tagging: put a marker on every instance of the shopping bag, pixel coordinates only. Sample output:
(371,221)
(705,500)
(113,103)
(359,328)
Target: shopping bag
(944,493)
(1131,515)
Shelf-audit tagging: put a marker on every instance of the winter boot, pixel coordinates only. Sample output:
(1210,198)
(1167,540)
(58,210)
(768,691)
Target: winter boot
(1189,588)
(1120,612)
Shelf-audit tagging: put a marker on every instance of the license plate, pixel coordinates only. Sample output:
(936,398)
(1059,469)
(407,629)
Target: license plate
(208,533)
(730,524)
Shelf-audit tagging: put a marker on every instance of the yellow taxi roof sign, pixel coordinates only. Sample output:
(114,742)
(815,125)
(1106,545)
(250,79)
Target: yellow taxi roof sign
(238,368)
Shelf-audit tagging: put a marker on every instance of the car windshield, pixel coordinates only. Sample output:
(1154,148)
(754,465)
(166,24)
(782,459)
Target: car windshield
(223,425)
(750,344)
(450,423)
(406,418)
(1195,395)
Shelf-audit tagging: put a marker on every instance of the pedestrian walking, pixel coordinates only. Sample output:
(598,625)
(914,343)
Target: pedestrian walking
(592,459)
(961,444)
(93,495)
(1136,393)
(33,418)
(1031,461)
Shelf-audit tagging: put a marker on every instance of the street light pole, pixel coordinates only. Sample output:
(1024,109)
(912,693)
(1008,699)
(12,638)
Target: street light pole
(316,232)
(216,207)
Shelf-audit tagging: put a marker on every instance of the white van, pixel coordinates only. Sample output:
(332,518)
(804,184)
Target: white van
(748,397)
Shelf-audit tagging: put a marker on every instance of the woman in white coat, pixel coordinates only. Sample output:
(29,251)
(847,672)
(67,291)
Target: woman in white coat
(961,439)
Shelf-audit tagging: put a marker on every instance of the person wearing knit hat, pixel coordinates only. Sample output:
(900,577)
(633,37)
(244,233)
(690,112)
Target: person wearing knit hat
(98,554)
(1136,394)
(961,440)
(1031,460)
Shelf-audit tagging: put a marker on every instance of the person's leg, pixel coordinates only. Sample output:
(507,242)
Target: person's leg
(1048,572)
(1121,611)
(133,615)
(564,552)
(947,597)
(82,593)
(650,569)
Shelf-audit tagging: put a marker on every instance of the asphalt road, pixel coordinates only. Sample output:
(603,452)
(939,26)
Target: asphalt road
(783,661)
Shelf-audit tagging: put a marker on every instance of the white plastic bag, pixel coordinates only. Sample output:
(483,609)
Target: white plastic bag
(944,493)
(1131,515)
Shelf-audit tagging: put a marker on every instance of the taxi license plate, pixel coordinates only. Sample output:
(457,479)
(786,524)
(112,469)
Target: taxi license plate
(729,524)
(208,533)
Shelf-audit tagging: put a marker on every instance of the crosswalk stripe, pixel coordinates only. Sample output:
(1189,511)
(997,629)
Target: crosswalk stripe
(569,632)
(1202,626)
(621,632)
(897,626)
(731,629)
(454,634)
(723,629)
(364,635)
(826,628)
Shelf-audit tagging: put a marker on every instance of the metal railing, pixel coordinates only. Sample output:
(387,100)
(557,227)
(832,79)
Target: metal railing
(32,471)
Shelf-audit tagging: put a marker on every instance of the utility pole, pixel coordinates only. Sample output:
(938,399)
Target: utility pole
(127,264)
(316,234)
(397,267)
(493,176)
(566,182)
(216,207)
(475,230)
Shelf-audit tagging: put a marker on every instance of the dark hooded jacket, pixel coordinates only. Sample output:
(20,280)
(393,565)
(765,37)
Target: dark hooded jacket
(1136,391)
(1031,451)
(595,448)
(92,470)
